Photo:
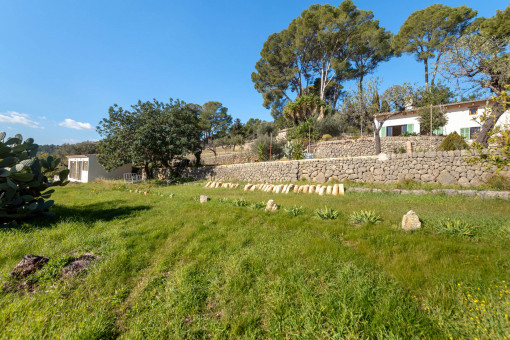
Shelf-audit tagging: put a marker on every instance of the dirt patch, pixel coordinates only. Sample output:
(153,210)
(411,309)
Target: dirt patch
(28,265)
(78,264)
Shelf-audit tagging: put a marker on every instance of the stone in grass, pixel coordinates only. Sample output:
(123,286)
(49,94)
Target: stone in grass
(28,264)
(203,199)
(271,206)
(411,221)
(172,195)
(78,264)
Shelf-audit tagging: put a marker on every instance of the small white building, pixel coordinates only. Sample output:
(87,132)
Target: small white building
(460,118)
(86,168)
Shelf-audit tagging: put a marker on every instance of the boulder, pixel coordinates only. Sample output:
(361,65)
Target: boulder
(312,189)
(445,178)
(329,189)
(203,199)
(29,264)
(296,188)
(271,206)
(335,190)
(411,221)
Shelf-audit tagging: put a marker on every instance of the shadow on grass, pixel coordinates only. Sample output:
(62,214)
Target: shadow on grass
(87,214)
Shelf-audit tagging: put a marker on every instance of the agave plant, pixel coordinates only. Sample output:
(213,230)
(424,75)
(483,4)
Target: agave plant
(455,226)
(326,213)
(295,211)
(365,217)
(24,182)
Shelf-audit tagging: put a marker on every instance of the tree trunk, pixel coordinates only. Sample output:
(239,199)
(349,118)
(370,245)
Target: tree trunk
(148,171)
(197,157)
(426,63)
(488,125)
(377,138)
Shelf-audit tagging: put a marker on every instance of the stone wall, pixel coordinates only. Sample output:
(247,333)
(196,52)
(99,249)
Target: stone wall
(237,157)
(365,146)
(448,167)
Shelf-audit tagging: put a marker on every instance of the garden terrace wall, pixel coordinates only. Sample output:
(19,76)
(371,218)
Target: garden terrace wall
(448,168)
(365,146)
(238,157)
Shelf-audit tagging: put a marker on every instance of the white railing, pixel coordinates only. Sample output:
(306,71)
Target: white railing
(132,178)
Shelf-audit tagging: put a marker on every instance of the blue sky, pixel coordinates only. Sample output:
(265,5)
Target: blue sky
(63,63)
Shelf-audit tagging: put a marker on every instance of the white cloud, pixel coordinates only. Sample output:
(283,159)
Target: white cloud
(69,140)
(72,124)
(13,117)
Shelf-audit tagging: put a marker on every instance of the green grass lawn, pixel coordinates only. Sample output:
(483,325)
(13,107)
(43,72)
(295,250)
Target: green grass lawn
(175,268)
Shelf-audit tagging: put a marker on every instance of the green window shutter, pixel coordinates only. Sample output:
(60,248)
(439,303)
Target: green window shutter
(464,132)
(382,132)
(440,131)
(410,128)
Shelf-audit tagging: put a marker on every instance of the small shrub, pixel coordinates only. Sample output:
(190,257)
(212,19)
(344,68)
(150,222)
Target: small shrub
(365,217)
(498,182)
(453,142)
(240,203)
(258,206)
(326,137)
(326,213)
(455,227)
(400,150)
(295,211)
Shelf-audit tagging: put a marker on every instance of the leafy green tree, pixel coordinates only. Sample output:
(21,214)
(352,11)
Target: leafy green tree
(311,55)
(430,101)
(480,60)
(237,128)
(371,45)
(428,32)
(215,120)
(251,127)
(150,134)
(497,27)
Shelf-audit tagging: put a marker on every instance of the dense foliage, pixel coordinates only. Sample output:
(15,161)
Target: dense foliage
(24,181)
(150,134)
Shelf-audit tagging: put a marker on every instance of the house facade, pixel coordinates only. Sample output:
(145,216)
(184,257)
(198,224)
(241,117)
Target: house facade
(86,168)
(461,118)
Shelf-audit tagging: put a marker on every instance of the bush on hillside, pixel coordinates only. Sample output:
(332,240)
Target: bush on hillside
(331,125)
(453,142)
(265,149)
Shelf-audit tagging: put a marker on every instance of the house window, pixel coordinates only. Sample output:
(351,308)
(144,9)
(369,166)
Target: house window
(470,133)
(85,165)
(473,111)
(473,132)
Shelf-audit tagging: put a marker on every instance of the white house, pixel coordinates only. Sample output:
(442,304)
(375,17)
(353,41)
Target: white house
(86,168)
(461,118)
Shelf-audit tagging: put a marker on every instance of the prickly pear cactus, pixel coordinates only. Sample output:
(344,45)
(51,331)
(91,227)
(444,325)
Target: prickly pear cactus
(24,184)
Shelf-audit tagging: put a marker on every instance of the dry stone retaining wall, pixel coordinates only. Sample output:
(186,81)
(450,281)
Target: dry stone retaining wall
(366,146)
(448,167)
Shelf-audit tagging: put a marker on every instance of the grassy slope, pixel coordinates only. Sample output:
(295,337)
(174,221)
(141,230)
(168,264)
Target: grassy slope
(171,267)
